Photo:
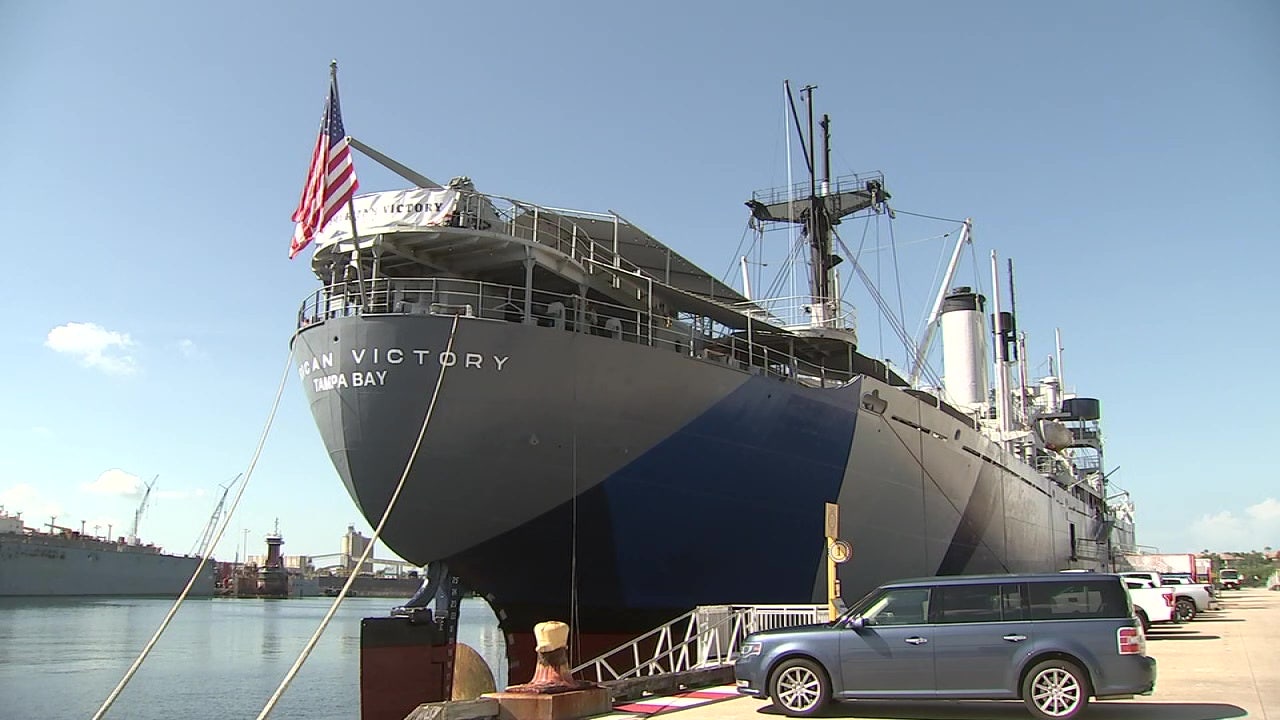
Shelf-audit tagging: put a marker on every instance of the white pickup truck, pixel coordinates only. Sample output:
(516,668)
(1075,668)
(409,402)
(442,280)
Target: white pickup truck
(1150,603)
(1189,598)
(1229,579)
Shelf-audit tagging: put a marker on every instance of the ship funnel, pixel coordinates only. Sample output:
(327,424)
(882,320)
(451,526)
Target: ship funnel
(964,349)
(1051,392)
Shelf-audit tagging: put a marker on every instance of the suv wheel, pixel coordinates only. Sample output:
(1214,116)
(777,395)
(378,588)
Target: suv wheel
(1142,618)
(1055,690)
(799,688)
(1185,610)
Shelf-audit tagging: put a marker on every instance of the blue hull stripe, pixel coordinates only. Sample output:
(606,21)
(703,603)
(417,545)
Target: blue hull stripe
(754,472)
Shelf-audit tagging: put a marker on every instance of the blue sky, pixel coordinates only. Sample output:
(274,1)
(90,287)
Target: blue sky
(1124,155)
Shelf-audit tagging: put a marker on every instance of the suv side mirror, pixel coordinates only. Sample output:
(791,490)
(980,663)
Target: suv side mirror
(857,623)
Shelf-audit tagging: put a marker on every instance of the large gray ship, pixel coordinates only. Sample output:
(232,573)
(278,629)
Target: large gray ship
(618,436)
(64,562)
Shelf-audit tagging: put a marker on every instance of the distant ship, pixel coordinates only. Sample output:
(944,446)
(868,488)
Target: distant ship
(64,562)
(620,436)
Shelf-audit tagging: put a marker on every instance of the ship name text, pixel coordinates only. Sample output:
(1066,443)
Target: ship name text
(323,372)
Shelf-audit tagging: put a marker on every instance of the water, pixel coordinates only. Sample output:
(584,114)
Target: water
(220,658)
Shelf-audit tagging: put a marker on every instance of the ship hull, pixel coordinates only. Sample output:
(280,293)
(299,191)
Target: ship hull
(36,567)
(566,475)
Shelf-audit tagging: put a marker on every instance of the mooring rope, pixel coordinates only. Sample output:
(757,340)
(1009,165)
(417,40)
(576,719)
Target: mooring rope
(377,533)
(164,624)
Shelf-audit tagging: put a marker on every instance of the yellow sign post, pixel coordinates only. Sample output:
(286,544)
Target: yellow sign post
(838,551)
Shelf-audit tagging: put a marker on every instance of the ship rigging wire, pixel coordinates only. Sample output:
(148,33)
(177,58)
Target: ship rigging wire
(368,549)
(737,252)
(897,279)
(927,217)
(574,620)
(894,322)
(204,560)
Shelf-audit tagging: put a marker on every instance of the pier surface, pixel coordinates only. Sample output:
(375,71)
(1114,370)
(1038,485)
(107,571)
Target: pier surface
(1224,664)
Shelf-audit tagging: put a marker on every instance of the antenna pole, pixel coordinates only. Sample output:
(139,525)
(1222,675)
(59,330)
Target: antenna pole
(796,119)
(1023,379)
(817,230)
(1057,341)
(1019,349)
(791,186)
(826,154)
(808,91)
(1002,354)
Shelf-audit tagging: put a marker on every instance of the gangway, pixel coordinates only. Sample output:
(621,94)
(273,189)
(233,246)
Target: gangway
(706,637)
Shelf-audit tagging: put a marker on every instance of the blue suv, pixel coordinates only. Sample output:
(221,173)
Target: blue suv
(1051,640)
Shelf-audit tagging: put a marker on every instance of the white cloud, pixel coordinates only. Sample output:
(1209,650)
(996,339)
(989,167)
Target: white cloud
(1267,511)
(115,482)
(25,499)
(95,346)
(1257,527)
(188,349)
(37,511)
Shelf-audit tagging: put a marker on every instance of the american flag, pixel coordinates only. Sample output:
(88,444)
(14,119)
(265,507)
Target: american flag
(331,181)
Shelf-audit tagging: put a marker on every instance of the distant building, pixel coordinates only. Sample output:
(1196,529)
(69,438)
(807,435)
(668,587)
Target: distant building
(353,547)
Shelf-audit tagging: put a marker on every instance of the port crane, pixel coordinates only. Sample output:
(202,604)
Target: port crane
(142,507)
(202,546)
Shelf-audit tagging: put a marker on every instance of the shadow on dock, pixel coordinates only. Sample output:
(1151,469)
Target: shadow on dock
(1108,710)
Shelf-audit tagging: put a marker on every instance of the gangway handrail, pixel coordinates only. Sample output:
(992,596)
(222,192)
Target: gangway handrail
(695,641)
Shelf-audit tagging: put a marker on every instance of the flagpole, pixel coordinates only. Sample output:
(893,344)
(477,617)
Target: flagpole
(351,203)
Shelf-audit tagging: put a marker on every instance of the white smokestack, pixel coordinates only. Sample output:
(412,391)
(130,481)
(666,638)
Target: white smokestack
(964,349)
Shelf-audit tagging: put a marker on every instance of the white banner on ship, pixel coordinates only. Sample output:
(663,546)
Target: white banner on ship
(388,212)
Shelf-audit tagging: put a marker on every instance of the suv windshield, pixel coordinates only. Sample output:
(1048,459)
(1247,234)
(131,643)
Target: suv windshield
(857,608)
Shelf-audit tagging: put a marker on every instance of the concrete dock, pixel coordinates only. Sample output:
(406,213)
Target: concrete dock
(1224,664)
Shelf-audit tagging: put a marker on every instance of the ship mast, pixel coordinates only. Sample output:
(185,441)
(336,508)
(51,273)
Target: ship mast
(827,204)
(817,225)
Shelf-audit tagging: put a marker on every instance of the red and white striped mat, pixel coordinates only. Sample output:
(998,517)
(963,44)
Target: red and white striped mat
(692,698)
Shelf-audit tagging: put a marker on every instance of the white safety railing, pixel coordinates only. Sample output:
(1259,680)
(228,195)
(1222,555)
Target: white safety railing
(685,333)
(706,636)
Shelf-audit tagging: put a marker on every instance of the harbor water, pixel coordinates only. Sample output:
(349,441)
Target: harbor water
(220,658)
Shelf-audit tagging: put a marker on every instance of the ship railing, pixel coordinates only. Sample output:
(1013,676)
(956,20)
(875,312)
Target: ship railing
(799,192)
(552,227)
(691,335)
(1085,463)
(795,312)
(563,230)
(707,636)
(1086,434)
